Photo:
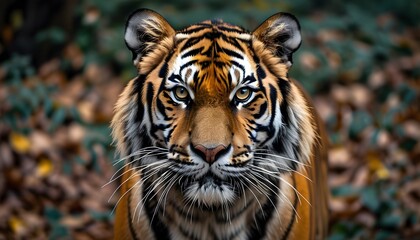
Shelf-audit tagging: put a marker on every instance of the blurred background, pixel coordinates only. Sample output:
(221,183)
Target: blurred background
(64,63)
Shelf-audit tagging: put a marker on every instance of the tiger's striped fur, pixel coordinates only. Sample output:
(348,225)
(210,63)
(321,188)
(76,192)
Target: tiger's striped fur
(218,142)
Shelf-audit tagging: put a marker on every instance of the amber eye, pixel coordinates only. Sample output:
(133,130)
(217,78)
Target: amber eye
(243,94)
(181,93)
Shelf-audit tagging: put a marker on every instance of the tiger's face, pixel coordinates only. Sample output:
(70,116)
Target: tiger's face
(209,113)
(212,96)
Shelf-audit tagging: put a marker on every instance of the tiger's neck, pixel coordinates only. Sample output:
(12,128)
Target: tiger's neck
(252,216)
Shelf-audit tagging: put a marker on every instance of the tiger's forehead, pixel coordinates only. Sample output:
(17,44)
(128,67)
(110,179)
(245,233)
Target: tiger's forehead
(216,26)
(212,57)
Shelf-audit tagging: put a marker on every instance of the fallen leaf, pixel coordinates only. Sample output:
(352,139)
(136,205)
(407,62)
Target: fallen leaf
(20,143)
(45,167)
(16,224)
(376,166)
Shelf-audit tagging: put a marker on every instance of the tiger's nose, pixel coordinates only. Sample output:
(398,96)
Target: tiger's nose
(209,154)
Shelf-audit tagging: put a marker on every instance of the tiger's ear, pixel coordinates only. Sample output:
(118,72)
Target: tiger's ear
(144,30)
(280,33)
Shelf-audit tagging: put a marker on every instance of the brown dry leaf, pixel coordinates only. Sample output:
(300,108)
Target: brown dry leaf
(72,93)
(334,59)
(33,221)
(340,94)
(75,55)
(412,129)
(57,79)
(340,156)
(410,195)
(393,101)
(384,139)
(327,35)
(76,133)
(341,165)
(41,142)
(99,230)
(344,206)
(366,219)
(360,95)
(324,107)
(376,79)
(75,221)
(96,74)
(337,204)
(49,67)
(92,14)
(6,157)
(67,184)
(86,110)
(309,61)
(361,177)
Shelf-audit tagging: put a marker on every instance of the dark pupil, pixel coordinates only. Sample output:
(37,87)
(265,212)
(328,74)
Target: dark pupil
(181,92)
(244,91)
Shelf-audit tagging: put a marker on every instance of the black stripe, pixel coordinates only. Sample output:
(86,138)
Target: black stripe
(190,42)
(212,35)
(274,99)
(194,30)
(192,52)
(149,99)
(232,216)
(263,109)
(186,215)
(163,70)
(260,72)
(229,29)
(158,227)
(187,64)
(236,64)
(292,220)
(233,42)
(249,79)
(233,235)
(167,138)
(161,108)
(284,86)
(259,227)
(232,53)
(186,233)
(175,78)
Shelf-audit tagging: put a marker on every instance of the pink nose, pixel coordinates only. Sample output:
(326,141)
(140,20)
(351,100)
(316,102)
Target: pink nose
(208,154)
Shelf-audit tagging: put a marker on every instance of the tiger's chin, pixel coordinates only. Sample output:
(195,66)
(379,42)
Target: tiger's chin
(208,192)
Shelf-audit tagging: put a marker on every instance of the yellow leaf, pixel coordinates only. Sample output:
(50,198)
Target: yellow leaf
(45,167)
(377,167)
(20,143)
(15,224)
(382,173)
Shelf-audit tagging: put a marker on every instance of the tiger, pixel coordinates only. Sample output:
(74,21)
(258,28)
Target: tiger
(215,140)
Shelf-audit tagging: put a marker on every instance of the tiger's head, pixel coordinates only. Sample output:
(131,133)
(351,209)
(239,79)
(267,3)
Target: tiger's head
(212,111)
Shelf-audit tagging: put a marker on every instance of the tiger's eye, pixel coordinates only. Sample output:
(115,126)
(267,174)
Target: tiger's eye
(243,94)
(181,93)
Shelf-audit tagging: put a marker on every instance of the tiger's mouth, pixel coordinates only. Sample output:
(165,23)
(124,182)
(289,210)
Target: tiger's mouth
(208,190)
(210,183)
(209,180)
